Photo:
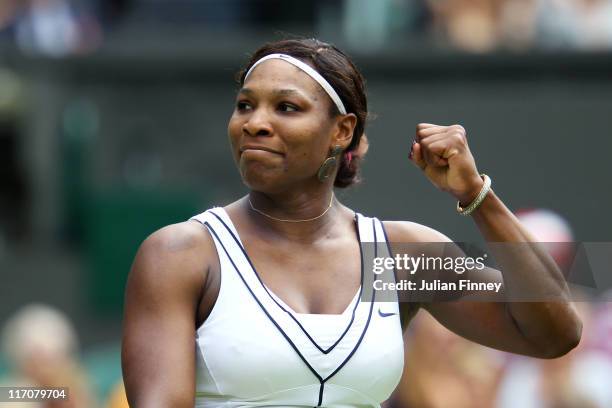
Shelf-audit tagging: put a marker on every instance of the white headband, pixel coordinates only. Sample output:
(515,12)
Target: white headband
(310,71)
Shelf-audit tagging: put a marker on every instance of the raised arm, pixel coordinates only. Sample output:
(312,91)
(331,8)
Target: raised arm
(164,290)
(546,328)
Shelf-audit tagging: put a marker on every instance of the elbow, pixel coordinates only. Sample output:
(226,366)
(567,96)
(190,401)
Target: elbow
(564,342)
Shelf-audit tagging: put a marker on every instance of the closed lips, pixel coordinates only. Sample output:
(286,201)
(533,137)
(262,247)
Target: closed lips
(263,148)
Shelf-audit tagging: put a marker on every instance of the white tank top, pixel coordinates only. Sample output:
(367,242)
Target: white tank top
(253,350)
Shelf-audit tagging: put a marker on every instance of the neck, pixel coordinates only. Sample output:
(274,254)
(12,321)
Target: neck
(293,220)
(312,210)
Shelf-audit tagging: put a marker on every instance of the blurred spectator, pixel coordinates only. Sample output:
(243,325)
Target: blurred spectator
(470,25)
(582,378)
(444,370)
(553,231)
(41,345)
(556,23)
(601,338)
(577,24)
(49,27)
(517,24)
(486,25)
(596,24)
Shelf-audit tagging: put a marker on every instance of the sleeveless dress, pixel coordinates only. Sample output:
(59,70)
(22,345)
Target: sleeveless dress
(253,350)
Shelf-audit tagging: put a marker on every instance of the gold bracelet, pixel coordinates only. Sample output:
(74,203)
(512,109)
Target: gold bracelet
(479,198)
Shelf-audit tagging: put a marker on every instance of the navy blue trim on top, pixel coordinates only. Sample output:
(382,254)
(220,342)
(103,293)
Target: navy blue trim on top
(321,394)
(362,334)
(212,230)
(382,224)
(312,340)
(369,316)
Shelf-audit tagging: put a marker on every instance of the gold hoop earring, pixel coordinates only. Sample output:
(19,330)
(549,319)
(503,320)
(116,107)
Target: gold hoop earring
(329,165)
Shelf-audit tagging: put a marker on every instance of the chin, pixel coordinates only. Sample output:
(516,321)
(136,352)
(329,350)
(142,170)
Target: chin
(261,180)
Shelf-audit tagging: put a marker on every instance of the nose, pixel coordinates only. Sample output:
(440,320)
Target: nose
(257,124)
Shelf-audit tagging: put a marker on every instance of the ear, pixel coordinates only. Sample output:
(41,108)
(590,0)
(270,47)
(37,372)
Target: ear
(343,132)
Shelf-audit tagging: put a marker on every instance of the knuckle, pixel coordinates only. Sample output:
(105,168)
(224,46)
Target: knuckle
(459,128)
(459,137)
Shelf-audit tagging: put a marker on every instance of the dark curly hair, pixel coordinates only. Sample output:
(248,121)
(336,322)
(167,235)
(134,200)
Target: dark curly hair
(338,69)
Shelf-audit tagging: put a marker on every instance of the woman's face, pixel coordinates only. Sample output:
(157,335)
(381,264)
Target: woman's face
(281,129)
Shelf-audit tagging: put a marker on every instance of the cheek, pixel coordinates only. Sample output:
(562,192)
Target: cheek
(310,149)
(305,156)
(234,129)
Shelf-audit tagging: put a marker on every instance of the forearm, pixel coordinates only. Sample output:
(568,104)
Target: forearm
(548,320)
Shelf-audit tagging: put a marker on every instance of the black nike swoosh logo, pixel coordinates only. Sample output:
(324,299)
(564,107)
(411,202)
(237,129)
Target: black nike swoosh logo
(383,314)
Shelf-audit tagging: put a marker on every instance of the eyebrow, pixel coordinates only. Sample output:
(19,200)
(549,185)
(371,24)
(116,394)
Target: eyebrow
(276,92)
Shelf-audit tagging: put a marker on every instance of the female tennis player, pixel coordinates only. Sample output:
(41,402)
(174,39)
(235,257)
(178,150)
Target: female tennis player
(262,302)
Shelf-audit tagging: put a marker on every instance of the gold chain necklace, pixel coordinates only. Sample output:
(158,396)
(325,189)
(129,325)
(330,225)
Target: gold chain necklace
(331,200)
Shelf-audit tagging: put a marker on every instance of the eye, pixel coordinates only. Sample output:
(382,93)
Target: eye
(243,106)
(288,107)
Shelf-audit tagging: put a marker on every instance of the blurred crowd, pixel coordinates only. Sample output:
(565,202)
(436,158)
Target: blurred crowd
(485,25)
(62,27)
(49,27)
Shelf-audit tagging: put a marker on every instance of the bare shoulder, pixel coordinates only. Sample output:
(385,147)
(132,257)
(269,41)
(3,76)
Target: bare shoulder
(407,231)
(179,238)
(176,254)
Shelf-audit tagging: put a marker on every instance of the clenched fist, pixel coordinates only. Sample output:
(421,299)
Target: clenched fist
(443,154)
